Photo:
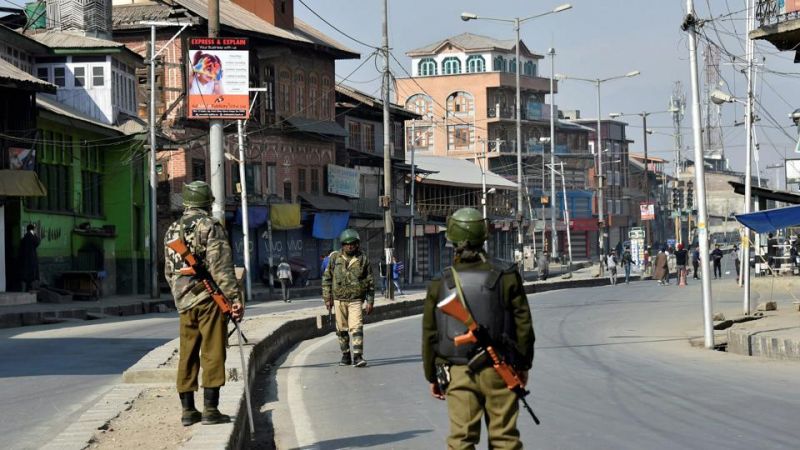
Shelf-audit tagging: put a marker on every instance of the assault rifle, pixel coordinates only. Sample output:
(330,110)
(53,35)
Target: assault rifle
(477,334)
(197,269)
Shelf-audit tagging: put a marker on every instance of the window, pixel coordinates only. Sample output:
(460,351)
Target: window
(285,94)
(98,76)
(426,67)
(451,65)
(252,177)
(198,169)
(459,137)
(422,137)
(327,104)
(91,181)
(43,73)
(476,63)
(287,191)
(354,135)
(269,95)
(301,180)
(313,87)
(80,76)
(420,104)
(272,179)
(59,76)
(315,181)
(369,136)
(54,170)
(530,69)
(512,65)
(460,103)
(499,64)
(299,93)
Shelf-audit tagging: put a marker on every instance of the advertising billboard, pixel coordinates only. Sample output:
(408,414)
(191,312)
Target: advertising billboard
(647,211)
(218,78)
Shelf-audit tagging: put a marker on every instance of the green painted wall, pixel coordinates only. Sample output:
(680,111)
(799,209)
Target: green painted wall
(122,255)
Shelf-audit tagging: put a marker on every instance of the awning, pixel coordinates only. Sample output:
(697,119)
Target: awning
(256,216)
(21,183)
(326,202)
(328,225)
(323,127)
(285,216)
(771,219)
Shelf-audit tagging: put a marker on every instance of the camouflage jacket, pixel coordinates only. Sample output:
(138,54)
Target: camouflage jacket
(206,238)
(348,278)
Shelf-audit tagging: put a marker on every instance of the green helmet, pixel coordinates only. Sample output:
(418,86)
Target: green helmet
(349,236)
(467,225)
(197,194)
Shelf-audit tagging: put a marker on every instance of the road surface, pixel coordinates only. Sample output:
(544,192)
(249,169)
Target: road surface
(613,370)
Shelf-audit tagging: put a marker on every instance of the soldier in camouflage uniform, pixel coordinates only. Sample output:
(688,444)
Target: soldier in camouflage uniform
(347,284)
(203,327)
(493,292)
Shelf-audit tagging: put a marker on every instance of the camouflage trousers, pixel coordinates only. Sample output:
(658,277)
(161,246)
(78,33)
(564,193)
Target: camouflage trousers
(349,323)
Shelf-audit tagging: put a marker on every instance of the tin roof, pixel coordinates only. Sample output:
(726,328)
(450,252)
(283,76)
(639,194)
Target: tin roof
(129,16)
(457,172)
(67,39)
(127,125)
(15,78)
(370,101)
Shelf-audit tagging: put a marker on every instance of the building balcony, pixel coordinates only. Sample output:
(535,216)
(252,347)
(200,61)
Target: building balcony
(778,23)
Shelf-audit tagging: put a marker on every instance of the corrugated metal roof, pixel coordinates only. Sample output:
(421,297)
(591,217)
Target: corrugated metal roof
(128,126)
(66,39)
(371,101)
(326,202)
(472,42)
(13,37)
(457,172)
(322,127)
(129,16)
(234,16)
(11,76)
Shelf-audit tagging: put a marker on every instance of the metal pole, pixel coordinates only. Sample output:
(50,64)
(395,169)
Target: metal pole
(388,224)
(699,173)
(154,291)
(412,230)
(646,180)
(600,201)
(519,148)
(245,216)
(483,179)
(215,151)
(553,232)
(566,217)
(270,260)
(748,176)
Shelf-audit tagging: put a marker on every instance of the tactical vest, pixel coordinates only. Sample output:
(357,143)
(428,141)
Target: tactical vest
(483,296)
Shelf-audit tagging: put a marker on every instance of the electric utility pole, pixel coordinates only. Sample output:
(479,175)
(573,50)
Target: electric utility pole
(216,153)
(386,201)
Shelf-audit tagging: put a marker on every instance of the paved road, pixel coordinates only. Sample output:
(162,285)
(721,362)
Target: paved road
(613,370)
(51,374)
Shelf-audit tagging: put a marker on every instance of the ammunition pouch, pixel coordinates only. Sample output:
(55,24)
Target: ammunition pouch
(198,288)
(443,377)
(481,360)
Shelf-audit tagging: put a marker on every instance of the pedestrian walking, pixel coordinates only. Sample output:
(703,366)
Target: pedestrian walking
(397,273)
(661,267)
(736,260)
(627,261)
(492,292)
(611,264)
(695,262)
(716,258)
(681,260)
(347,288)
(544,266)
(29,258)
(203,326)
(647,263)
(285,277)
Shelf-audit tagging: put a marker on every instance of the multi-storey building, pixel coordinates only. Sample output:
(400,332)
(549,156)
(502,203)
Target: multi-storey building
(291,134)
(464,88)
(778,24)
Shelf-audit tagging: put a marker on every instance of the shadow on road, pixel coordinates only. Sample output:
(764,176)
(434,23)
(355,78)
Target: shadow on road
(366,441)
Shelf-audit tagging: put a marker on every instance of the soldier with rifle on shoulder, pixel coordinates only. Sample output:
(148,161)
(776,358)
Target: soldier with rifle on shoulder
(477,339)
(199,270)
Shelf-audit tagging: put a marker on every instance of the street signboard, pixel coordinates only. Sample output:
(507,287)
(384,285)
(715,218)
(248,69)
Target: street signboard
(647,210)
(792,168)
(218,78)
(343,181)
(636,233)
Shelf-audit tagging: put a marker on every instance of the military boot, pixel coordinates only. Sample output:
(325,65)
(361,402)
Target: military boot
(346,360)
(211,415)
(190,414)
(359,361)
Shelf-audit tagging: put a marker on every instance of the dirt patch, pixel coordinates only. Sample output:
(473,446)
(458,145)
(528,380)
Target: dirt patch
(152,422)
(172,361)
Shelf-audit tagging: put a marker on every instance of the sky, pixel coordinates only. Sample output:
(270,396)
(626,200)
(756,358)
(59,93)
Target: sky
(594,39)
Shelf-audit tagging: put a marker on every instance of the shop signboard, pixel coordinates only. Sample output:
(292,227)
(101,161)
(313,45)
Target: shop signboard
(218,78)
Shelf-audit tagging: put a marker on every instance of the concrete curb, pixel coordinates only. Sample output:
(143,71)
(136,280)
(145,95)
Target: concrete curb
(81,312)
(773,344)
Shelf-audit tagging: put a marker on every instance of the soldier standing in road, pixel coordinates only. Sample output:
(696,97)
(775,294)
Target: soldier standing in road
(203,327)
(627,261)
(346,285)
(494,294)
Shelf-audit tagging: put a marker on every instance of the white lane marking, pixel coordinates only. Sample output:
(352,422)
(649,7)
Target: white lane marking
(301,421)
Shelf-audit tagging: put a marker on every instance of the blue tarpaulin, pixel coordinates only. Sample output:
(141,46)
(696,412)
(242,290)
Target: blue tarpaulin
(771,219)
(329,224)
(256,216)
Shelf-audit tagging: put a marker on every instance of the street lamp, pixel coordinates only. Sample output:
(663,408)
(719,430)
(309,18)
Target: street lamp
(720,97)
(597,82)
(645,132)
(465,16)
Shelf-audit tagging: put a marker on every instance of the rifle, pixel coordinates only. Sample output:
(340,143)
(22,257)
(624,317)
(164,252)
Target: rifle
(477,334)
(197,269)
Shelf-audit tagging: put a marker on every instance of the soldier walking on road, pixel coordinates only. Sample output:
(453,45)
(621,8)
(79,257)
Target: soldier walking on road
(627,261)
(493,293)
(203,327)
(346,285)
